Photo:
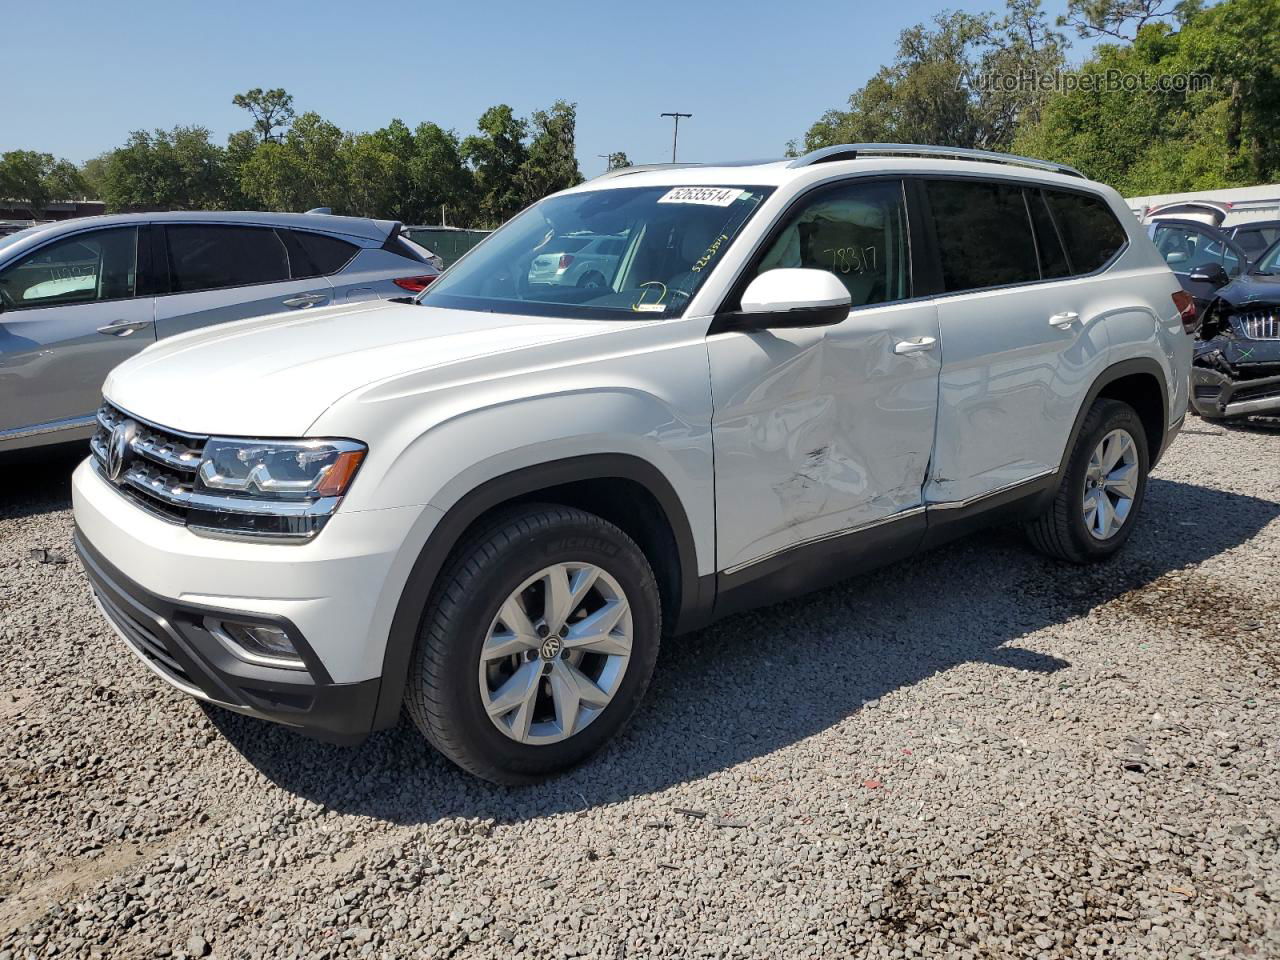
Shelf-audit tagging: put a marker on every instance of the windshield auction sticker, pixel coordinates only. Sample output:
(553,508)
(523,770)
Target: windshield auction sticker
(708,196)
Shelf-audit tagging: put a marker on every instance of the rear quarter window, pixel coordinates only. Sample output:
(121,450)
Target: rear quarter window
(316,254)
(1089,229)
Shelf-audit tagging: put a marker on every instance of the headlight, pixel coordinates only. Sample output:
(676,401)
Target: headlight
(280,470)
(271,489)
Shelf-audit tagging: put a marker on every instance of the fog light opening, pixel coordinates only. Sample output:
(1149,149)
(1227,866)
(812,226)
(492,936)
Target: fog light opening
(256,643)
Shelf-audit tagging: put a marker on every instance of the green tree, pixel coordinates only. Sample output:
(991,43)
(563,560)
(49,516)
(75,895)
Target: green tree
(36,179)
(443,186)
(302,171)
(178,169)
(497,153)
(1121,19)
(946,84)
(1214,128)
(551,163)
(272,111)
(618,160)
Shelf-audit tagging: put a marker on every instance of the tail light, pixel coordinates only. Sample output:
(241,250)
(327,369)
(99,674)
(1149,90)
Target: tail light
(1186,305)
(565,260)
(414,284)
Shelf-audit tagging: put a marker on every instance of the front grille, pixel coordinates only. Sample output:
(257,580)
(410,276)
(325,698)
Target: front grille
(1261,324)
(162,473)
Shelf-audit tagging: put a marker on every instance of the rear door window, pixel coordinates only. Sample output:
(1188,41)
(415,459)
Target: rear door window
(984,234)
(212,257)
(316,254)
(1090,231)
(88,267)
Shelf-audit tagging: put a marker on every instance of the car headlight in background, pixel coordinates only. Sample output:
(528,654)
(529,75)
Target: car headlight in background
(271,489)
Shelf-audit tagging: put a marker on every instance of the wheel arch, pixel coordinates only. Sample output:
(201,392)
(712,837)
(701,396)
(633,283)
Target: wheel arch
(1139,382)
(627,490)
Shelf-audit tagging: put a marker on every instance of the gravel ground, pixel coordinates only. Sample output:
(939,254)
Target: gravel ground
(978,753)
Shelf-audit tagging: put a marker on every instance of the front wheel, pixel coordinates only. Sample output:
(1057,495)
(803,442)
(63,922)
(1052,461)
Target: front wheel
(537,645)
(1101,489)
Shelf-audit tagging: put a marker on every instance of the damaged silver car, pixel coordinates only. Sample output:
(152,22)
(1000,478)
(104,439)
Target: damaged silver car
(1236,368)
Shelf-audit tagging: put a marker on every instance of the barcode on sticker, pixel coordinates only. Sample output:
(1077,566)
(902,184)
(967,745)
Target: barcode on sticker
(711,196)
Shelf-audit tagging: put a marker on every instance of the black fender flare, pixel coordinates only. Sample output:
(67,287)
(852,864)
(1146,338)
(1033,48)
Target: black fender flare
(1125,368)
(448,531)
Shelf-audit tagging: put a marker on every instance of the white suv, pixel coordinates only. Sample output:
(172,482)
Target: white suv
(489,505)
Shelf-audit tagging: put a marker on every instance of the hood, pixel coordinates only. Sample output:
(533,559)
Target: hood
(1251,288)
(274,376)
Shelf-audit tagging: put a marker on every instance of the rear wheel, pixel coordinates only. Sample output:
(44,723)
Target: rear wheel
(1101,490)
(537,645)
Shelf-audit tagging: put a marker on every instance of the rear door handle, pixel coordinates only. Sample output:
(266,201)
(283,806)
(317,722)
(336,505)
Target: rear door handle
(122,328)
(1064,320)
(306,300)
(914,345)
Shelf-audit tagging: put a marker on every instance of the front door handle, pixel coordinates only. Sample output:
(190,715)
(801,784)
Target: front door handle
(122,328)
(914,345)
(304,301)
(1064,320)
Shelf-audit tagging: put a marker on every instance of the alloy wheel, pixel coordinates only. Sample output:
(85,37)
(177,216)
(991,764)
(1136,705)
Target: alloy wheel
(556,653)
(1110,484)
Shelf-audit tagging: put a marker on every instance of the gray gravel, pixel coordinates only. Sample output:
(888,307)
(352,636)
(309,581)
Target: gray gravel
(979,753)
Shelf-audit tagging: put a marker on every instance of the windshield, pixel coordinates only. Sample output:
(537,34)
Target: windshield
(1269,263)
(606,254)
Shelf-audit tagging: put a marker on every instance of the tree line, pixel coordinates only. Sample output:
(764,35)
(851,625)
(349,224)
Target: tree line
(291,161)
(999,81)
(1176,96)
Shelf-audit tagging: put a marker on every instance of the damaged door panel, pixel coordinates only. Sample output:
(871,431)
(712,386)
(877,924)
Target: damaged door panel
(821,430)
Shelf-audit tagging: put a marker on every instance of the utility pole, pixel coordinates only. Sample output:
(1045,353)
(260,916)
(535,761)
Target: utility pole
(605,157)
(676,115)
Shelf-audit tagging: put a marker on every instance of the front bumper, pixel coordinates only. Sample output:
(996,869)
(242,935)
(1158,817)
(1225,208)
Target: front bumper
(170,639)
(1215,396)
(334,596)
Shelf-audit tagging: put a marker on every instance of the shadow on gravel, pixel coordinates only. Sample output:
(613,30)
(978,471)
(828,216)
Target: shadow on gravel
(764,680)
(38,481)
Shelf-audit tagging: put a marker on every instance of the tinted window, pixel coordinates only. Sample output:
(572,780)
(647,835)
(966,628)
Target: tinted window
(210,257)
(315,254)
(91,266)
(984,236)
(1090,230)
(1255,240)
(857,231)
(1053,259)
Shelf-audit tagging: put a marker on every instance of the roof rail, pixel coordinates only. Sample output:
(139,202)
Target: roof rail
(642,168)
(851,151)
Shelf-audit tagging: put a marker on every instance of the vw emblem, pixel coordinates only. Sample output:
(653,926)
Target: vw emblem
(120,449)
(551,647)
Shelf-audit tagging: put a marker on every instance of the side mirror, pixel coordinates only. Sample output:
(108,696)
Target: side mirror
(1211,273)
(788,297)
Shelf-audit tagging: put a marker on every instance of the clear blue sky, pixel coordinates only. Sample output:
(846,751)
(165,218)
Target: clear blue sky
(753,74)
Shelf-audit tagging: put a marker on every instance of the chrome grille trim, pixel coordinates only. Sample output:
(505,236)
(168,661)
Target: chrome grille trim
(1260,324)
(163,480)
